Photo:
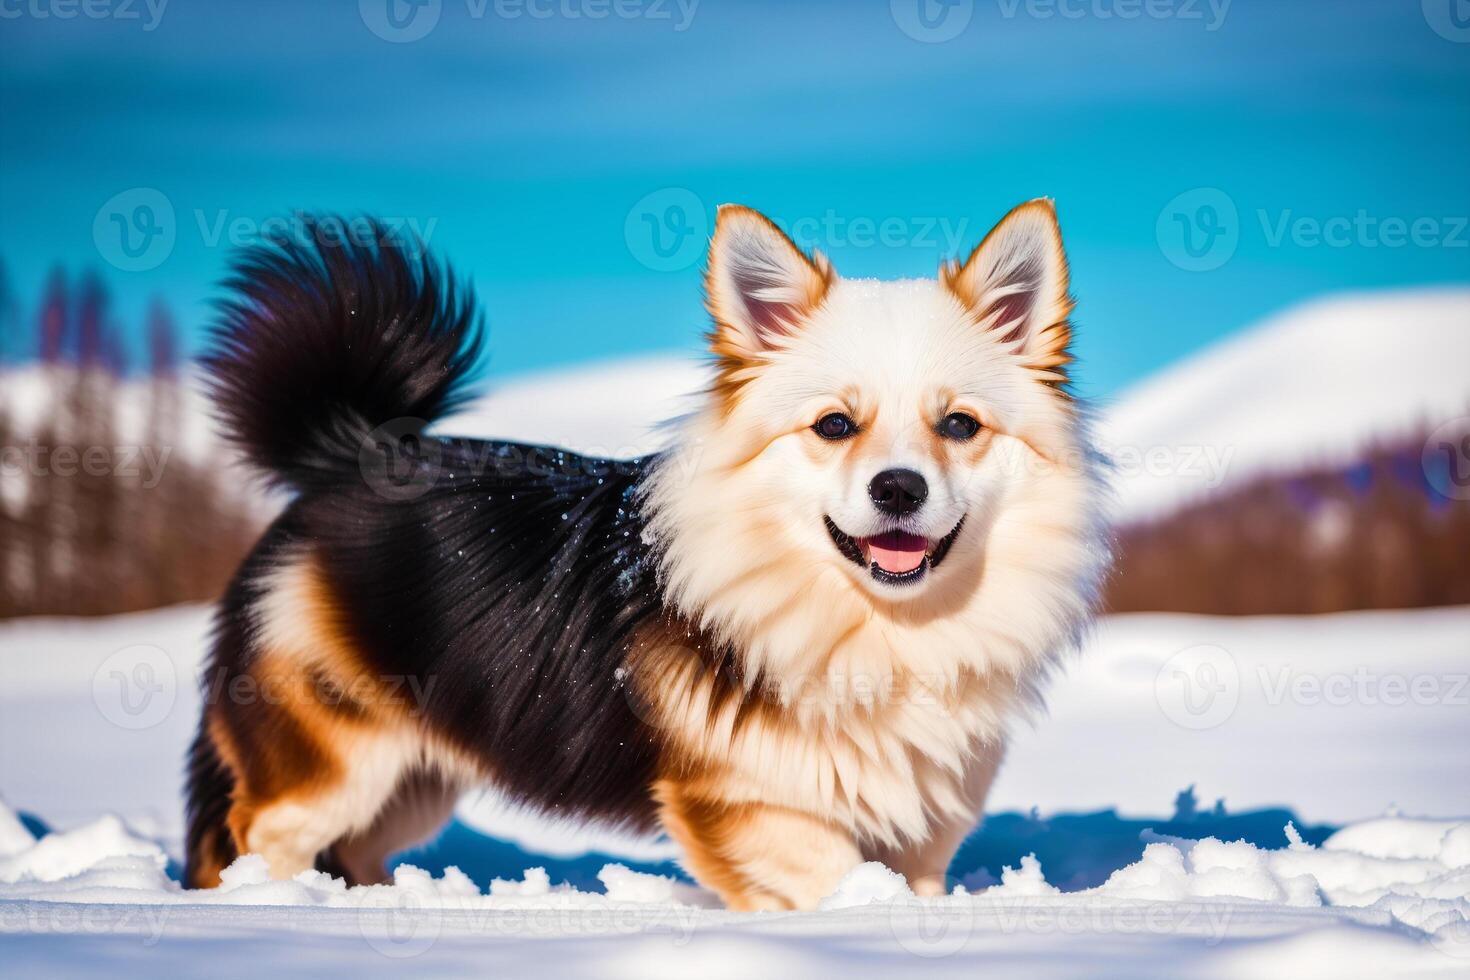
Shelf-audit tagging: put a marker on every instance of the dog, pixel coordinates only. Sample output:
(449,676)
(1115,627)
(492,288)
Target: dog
(793,641)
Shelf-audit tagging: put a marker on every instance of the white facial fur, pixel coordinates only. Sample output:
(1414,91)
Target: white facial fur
(737,510)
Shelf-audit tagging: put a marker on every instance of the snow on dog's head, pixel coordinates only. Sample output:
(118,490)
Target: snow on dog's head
(900,448)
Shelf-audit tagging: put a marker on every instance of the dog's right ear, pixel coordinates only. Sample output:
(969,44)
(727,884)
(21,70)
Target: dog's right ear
(759,285)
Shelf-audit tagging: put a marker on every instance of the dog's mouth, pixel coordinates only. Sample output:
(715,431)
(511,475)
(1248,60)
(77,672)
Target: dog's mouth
(894,557)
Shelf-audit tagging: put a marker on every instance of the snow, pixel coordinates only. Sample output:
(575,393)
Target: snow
(1314,384)
(614,408)
(1183,907)
(1387,895)
(1377,365)
(1338,716)
(26,396)
(1357,720)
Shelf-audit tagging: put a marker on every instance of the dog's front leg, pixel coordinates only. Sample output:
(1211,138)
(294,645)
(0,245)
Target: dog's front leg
(926,863)
(753,855)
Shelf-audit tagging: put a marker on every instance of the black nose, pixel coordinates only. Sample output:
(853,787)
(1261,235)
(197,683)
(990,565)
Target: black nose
(898,491)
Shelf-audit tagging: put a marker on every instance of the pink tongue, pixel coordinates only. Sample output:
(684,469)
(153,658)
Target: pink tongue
(898,551)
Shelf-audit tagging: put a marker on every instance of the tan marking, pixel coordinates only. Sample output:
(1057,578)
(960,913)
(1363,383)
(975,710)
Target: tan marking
(325,745)
(735,363)
(755,857)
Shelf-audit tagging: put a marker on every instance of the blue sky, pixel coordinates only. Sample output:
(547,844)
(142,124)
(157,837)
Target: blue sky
(540,152)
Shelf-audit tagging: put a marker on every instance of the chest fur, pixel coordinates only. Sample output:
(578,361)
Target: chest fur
(883,754)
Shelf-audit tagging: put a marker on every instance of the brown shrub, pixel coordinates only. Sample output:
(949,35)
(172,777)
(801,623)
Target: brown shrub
(1373,535)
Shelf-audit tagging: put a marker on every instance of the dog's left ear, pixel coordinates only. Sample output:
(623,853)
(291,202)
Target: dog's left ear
(759,285)
(1015,284)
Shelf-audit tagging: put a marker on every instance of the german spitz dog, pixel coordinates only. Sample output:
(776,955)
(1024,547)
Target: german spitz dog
(793,641)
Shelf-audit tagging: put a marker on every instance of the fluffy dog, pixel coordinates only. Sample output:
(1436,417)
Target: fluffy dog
(793,641)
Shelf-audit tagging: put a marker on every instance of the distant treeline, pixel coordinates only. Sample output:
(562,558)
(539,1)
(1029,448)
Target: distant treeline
(95,520)
(1376,534)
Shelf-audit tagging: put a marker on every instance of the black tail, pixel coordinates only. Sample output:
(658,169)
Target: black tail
(332,331)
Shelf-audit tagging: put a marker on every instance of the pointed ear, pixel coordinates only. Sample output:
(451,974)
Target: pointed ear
(759,286)
(1015,284)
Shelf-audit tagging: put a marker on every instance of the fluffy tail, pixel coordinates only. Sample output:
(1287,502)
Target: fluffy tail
(332,331)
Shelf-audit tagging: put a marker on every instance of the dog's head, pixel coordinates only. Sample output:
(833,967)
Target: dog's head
(873,430)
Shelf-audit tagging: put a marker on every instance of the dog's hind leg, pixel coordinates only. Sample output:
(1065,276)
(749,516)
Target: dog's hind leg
(318,744)
(416,811)
(304,793)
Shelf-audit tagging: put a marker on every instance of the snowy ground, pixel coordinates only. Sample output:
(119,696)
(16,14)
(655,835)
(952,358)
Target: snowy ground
(1356,721)
(1342,718)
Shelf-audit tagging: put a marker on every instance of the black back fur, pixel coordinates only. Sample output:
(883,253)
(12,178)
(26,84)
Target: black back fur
(496,584)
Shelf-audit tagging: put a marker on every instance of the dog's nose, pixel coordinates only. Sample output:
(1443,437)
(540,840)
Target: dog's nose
(898,491)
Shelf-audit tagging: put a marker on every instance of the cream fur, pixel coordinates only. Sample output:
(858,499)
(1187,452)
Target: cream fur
(886,699)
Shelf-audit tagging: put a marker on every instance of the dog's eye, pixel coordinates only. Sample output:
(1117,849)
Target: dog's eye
(835,426)
(958,425)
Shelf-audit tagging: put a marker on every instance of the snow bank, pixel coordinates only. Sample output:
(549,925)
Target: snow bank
(1312,385)
(1378,365)
(1209,892)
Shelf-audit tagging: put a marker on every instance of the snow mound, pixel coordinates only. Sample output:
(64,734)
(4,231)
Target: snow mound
(613,408)
(1315,384)
(1227,891)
